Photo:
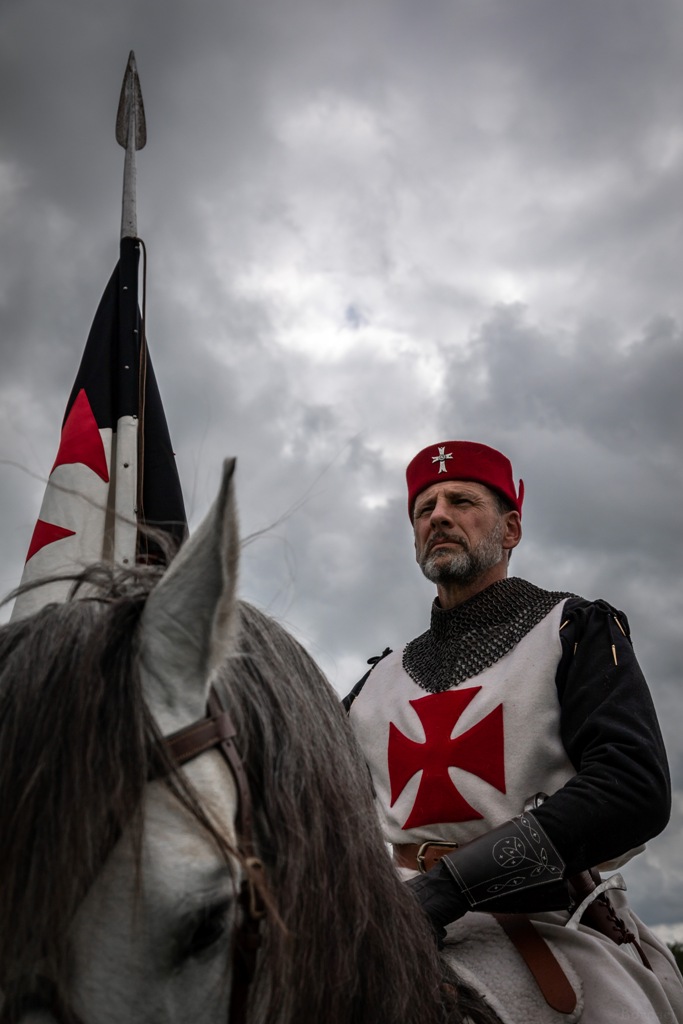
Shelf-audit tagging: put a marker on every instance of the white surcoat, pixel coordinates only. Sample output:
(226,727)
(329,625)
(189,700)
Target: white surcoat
(452,765)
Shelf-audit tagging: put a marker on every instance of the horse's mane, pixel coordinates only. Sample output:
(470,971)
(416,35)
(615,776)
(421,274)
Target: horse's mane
(76,749)
(75,740)
(355,933)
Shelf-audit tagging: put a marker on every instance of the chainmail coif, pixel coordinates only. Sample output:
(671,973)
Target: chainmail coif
(462,641)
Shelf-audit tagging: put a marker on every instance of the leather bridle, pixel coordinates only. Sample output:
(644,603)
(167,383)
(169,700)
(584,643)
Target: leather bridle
(215,730)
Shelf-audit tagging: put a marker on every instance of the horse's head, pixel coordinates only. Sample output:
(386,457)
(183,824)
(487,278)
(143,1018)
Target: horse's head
(151,938)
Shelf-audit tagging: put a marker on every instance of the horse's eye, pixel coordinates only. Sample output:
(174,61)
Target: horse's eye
(209,929)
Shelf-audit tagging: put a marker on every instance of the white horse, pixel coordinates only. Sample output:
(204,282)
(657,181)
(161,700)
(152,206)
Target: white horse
(122,872)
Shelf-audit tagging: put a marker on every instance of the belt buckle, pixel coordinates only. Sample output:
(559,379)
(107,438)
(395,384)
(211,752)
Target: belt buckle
(421,853)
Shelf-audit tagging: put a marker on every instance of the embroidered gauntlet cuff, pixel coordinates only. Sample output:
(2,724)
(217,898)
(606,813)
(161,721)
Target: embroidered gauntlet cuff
(512,868)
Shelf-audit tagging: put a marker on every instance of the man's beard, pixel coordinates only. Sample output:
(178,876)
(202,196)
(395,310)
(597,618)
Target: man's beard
(465,565)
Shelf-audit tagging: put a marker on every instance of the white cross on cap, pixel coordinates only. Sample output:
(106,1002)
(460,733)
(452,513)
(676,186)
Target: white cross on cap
(441,458)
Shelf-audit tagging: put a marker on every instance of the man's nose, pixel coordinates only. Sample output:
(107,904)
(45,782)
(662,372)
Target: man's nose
(441,513)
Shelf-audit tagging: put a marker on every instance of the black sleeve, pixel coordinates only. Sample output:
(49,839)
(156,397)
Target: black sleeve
(621,794)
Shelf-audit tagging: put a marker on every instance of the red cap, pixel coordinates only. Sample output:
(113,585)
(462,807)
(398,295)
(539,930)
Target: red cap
(462,460)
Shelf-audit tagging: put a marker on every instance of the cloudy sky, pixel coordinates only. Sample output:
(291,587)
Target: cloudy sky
(370,227)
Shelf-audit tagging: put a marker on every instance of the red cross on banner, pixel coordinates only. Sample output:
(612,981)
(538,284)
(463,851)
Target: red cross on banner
(479,750)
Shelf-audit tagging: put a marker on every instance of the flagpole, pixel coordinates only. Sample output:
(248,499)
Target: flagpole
(128,455)
(131,133)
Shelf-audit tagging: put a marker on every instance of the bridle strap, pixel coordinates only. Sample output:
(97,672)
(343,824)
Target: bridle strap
(218,730)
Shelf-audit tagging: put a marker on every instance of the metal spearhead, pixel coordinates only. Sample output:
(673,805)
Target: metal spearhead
(131,112)
(131,133)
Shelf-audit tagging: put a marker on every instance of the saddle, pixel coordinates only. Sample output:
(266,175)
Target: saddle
(591,907)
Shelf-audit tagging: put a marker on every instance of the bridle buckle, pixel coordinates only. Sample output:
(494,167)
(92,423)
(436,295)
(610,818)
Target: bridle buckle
(255,905)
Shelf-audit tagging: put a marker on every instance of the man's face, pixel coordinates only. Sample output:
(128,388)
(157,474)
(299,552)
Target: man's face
(459,532)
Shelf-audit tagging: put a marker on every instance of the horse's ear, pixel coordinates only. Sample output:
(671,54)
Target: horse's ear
(187,626)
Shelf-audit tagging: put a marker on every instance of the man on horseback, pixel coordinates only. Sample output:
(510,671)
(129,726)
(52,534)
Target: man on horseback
(514,747)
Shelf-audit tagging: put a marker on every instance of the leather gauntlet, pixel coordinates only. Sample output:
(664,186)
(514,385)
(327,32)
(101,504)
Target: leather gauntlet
(514,868)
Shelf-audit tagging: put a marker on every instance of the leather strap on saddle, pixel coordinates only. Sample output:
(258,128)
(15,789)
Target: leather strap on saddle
(541,961)
(546,970)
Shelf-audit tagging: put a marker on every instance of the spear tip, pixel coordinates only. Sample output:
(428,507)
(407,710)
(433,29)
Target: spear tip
(131,106)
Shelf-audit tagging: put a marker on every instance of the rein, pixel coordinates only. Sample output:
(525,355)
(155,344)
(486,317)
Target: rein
(215,730)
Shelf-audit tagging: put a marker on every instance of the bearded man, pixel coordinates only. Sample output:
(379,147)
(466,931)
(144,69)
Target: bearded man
(514,750)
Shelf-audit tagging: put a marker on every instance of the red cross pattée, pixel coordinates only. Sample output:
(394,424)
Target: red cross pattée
(479,750)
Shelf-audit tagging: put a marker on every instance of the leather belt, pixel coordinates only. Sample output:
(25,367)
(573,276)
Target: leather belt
(421,856)
(547,972)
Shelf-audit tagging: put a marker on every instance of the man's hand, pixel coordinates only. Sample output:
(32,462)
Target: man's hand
(440,899)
